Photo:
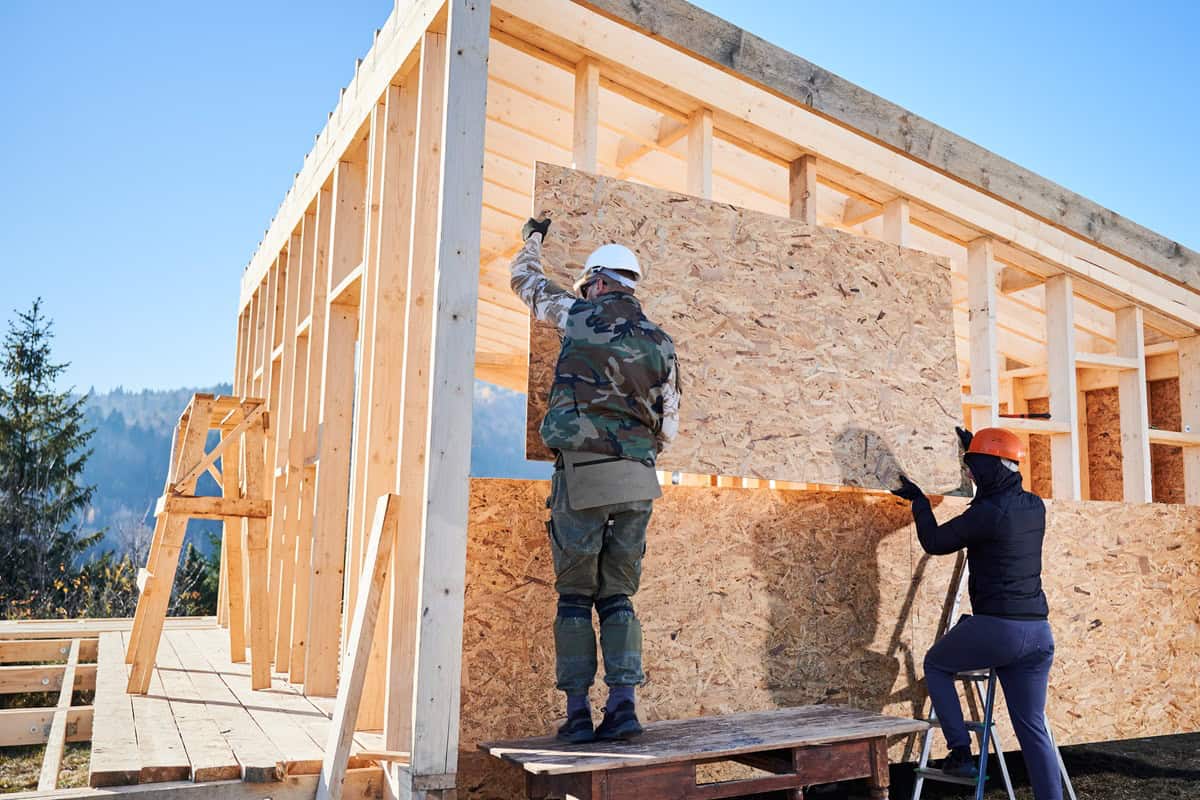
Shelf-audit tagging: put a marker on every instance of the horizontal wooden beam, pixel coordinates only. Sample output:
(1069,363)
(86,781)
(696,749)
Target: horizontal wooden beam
(22,726)
(45,677)
(1174,438)
(43,650)
(213,507)
(1034,425)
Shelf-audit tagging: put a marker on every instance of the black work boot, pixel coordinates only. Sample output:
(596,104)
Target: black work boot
(620,723)
(578,728)
(960,764)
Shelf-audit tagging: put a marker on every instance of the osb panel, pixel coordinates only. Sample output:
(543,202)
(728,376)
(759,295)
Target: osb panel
(807,354)
(1105,472)
(1040,482)
(1166,462)
(754,599)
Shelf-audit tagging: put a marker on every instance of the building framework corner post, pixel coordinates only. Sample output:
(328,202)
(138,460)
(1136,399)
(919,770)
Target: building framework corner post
(444,535)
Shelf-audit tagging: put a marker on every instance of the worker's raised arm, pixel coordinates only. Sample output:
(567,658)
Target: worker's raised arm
(670,418)
(548,301)
(973,525)
(966,529)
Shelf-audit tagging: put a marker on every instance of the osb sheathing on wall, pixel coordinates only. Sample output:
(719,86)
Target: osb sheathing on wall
(1166,462)
(755,599)
(1105,471)
(807,354)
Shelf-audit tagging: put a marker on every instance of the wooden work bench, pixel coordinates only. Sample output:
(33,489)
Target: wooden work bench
(798,746)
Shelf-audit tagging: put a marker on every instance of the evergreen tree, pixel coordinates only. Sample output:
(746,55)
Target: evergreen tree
(43,449)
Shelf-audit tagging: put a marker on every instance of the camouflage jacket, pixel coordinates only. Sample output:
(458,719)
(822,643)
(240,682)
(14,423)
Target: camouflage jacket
(616,383)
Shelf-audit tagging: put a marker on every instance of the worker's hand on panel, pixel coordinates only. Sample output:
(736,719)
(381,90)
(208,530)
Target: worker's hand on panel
(907,490)
(533,226)
(964,436)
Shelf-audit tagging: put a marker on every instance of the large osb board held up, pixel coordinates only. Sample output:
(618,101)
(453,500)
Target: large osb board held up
(756,599)
(807,354)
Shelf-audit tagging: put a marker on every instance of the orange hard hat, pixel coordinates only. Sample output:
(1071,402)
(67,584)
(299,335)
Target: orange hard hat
(997,442)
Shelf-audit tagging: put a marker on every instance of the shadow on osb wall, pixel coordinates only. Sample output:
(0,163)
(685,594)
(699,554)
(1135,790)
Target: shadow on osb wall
(834,638)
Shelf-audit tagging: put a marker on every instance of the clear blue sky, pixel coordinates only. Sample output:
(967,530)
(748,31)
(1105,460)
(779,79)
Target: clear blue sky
(145,146)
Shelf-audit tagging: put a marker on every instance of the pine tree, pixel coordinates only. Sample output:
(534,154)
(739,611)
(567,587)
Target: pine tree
(43,449)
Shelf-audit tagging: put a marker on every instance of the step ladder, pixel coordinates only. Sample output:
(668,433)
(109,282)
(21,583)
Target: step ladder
(982,687)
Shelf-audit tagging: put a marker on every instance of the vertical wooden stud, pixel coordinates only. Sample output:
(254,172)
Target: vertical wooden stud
(1189,398)
(1134,408)
(897,228)
(1064,395)
(802,189)
(446,486)
(336,387)
(700,154)
(586,138)
(982,275)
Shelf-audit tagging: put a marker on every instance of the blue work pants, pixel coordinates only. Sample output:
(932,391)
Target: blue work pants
(1021,651)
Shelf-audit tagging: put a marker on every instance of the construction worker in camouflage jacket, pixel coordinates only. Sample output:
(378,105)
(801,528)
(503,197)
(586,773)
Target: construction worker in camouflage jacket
(614,405)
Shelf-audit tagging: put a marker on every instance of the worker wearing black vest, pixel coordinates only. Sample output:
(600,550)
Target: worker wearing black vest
(1008,630)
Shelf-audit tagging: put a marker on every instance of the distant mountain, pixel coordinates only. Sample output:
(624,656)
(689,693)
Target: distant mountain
(133,440)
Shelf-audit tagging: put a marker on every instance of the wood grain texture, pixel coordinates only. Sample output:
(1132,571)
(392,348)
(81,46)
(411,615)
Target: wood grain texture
(807,354)
(713,737)
(757,599)
(691,29)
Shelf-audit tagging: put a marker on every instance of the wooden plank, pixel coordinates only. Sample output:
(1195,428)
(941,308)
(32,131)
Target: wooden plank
(802,189)
(1134,408)
(372,583)
(759,115)
(586,133)
(985,350)
(679,741)
(60,632)
(700,154)
(254,531)
(57,738)
(26,726)
(41,649)
(235,547)
(160,747)
(419,347)
(298,514)
(329,552)
(282,715)
(380,422)
(897,228)
(1064,398)
(445,492)
(325,680)
(361,784)
(257,755)
(749,373)
(44,678)
(1175,438)
(115,760)
(209,756)
(1189,399)
(213,507)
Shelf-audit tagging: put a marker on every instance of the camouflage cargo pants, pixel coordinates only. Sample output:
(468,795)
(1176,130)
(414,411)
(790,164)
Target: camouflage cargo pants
(597,556)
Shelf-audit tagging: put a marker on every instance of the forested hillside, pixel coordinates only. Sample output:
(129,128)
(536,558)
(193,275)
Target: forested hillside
(133,440)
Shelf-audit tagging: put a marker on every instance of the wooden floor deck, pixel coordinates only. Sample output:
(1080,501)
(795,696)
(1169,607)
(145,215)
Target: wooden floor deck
(200,720)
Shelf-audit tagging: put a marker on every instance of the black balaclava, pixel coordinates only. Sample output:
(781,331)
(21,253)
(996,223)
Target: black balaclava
(990,475)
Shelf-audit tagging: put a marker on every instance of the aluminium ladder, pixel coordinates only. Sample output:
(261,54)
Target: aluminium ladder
(985,729)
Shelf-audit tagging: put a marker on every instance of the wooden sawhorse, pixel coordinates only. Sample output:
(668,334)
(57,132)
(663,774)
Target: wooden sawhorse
(799,747)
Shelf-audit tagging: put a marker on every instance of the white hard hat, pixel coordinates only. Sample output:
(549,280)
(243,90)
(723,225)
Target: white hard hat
(614,257)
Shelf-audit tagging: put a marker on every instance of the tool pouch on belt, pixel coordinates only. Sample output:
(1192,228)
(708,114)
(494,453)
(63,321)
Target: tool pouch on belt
(595,480)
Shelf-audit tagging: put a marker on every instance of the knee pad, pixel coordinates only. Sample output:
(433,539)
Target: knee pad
(607,606)
(576,606)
